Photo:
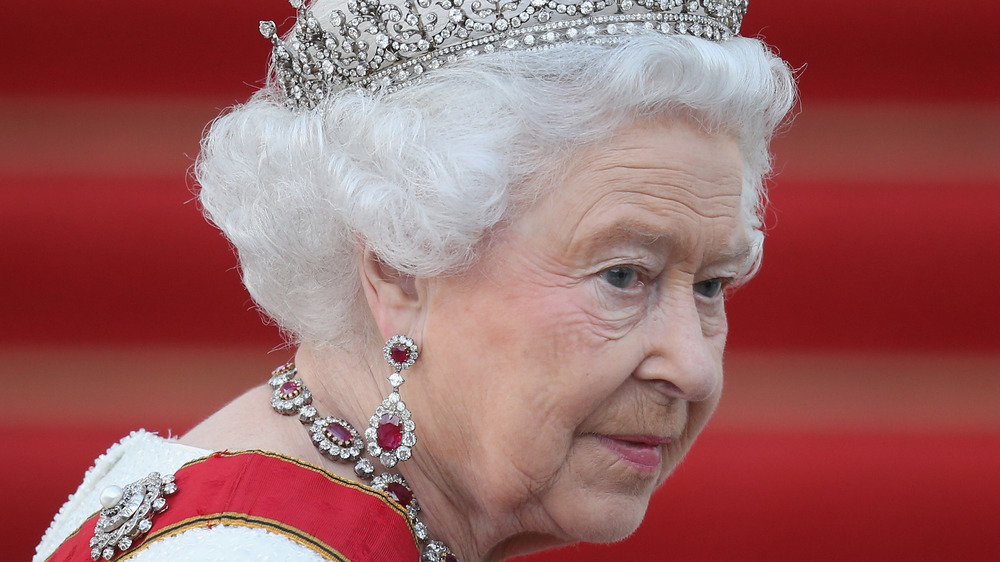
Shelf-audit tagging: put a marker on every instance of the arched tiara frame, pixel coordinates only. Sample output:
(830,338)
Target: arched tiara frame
(384,45)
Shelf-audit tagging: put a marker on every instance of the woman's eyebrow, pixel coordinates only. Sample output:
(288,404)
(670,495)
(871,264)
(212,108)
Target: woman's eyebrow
(740,253)
(645,234)
(627,230)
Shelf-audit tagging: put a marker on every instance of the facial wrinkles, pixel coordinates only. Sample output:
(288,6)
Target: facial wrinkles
(569,334)
(636,409)
(694,209)
(535,285)
(668,194)
(650,195)
(697,223)
(545,276)
(675,260)
(556,291)
(525,480)
(637,413)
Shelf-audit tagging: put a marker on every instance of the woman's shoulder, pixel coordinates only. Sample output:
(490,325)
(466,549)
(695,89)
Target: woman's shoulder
(129,460)
(225,505)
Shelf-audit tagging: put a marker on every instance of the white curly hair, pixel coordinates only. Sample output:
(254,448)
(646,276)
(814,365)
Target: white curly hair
(422,176)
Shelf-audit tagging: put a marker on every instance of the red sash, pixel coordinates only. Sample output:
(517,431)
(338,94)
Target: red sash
(337,518)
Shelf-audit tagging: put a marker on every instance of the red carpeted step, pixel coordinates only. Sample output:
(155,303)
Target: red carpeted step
(99,260)
(877,267)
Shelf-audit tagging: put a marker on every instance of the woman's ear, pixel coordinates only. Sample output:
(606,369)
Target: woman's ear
(394,297)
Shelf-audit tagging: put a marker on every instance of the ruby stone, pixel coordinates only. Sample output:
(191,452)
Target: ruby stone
(399,353)
(389,434)
(339,434)
(289,390)
(399,493)
(450,558)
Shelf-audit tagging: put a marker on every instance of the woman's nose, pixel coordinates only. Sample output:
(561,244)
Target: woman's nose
(684,360)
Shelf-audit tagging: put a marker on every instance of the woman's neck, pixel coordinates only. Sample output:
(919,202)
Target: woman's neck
(349,386)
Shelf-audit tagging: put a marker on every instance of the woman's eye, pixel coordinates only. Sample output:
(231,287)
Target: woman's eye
(621,277)
(709,288)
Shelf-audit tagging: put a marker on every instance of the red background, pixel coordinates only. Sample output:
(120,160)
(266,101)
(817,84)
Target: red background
(863,360)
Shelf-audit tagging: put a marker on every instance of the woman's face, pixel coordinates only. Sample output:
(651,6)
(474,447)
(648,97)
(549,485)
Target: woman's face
(566,375)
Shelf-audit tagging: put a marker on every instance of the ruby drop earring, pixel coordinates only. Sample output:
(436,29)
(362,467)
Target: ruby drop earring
(390,433)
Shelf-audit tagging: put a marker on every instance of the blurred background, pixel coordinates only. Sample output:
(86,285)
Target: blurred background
(861,419)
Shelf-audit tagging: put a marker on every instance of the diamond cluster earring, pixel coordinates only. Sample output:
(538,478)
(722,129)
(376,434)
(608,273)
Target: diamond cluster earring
(390,434)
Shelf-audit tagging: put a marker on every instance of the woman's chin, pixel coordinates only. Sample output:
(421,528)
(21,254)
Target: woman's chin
(612,528)
(605,519)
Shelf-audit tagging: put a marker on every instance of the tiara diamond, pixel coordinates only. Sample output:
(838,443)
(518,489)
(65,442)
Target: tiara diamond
(383,45)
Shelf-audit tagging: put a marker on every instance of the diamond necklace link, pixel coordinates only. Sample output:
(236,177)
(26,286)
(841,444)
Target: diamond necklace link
(337,440)
(384,45)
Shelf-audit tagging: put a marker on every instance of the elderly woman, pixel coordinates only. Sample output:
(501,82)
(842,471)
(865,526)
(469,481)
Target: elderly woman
(500,237)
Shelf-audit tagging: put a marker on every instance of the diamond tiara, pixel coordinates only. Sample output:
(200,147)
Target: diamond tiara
(383,45)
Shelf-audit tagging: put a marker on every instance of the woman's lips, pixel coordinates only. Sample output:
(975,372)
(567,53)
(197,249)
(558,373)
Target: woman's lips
(641,451)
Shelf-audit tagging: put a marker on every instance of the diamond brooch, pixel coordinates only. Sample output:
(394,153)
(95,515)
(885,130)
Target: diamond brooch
(127,513)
